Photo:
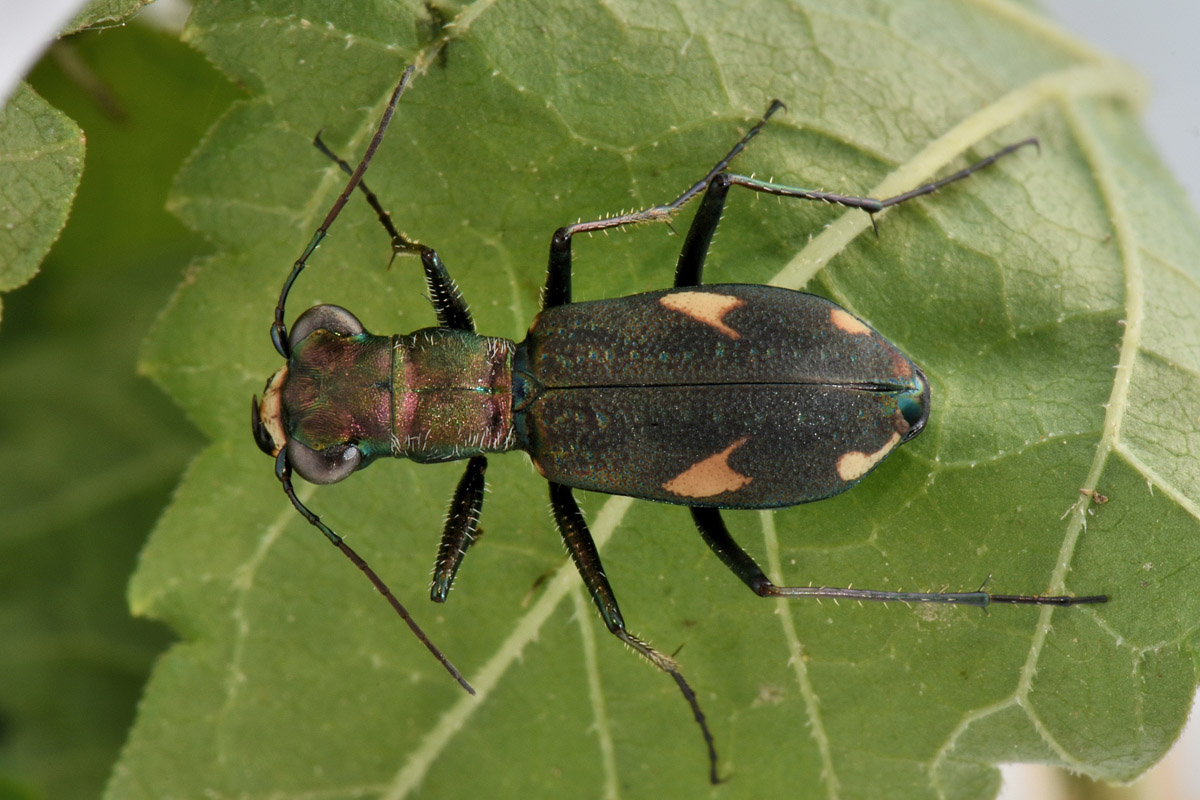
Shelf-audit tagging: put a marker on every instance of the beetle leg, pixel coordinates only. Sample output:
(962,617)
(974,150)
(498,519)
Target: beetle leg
(578,540)
(869,204)
(716,536)
(462,521)
(558,276)
(448,302)
(690,267)
(689,270)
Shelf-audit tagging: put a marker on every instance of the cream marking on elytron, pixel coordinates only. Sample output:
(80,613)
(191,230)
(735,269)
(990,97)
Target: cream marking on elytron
(705,307)
(847,322)
(855,464)
(711,476)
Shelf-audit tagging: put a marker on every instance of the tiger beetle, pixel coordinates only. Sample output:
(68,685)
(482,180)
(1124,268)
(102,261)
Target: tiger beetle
(707,396)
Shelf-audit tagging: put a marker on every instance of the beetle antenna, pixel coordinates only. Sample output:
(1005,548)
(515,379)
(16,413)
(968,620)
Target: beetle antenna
(283,471)
(279,327)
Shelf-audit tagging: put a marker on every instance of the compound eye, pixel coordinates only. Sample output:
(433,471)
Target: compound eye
(323,466)
(334,319)
(915,407)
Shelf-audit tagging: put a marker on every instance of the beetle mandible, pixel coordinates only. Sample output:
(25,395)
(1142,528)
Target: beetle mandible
(708,396)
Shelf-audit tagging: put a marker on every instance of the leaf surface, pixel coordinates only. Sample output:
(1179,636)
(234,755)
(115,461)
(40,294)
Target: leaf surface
(1050,300)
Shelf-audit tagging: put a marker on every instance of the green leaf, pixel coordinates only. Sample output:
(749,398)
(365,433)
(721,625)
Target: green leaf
(41,159)
(1018,291)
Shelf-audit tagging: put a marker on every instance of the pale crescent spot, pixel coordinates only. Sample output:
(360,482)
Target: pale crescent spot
(710,476)
(853,465)
(706,307)
(270,410)
(843,320)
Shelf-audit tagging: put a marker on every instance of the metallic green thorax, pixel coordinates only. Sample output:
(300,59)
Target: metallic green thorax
(433,395)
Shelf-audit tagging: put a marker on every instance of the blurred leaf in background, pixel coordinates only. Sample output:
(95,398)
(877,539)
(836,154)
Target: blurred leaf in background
(89,451)
(40,166)
(41,148)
